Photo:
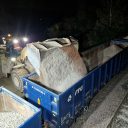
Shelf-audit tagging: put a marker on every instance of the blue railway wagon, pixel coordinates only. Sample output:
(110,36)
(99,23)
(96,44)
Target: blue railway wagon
(35,120)
(60,110)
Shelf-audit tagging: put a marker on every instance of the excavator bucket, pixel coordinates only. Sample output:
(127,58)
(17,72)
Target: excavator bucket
(34,49)
(57,62)
(59,65)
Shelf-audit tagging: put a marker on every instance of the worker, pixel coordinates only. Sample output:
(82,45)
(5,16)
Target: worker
(9,45)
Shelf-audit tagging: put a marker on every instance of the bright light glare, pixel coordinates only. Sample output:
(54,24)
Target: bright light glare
(13,59)
(9,35)
(3,38)
(15,41)
(25,39)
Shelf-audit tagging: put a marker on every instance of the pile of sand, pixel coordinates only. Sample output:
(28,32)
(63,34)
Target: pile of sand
(11,119)
(61,68)
(99,55)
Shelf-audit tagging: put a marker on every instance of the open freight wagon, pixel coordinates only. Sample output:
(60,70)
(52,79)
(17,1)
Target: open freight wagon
(15,112)
(60,110)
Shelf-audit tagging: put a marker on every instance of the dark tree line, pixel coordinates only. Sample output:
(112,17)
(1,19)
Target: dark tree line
(90,21)
(94,23)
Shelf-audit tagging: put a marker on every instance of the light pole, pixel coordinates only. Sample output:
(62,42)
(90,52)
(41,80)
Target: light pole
(110,14)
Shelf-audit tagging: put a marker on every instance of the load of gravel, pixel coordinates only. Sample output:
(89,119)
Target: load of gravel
(93,57)
(12,112)
(110,51)
(61,68)
(99,55)
(11,119)
(58,67)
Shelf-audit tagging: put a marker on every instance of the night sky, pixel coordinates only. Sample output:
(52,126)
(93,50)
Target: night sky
(32,17)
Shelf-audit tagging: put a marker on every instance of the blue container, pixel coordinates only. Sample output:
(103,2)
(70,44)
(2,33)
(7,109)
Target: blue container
(12,102)
(60,110)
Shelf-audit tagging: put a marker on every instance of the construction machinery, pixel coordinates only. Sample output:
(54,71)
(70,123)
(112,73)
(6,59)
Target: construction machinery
(10,62)
(14,61)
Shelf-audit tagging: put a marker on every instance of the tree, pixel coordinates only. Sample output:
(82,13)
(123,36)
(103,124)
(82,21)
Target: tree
(94,23)
(110,21)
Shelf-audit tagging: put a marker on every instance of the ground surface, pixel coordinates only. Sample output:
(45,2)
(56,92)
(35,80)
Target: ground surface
(7,83)
(120,119)
(103,106)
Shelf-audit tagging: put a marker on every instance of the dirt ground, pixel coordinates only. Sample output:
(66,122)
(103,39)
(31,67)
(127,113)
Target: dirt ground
(7,83)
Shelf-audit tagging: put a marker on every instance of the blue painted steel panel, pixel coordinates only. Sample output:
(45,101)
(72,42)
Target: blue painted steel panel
(119,63)
(45,98)
(88,82)
(96,79)
(103,75)
(61,109)
(109,69)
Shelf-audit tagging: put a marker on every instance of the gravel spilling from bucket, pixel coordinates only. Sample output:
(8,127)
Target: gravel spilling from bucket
(10,119)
